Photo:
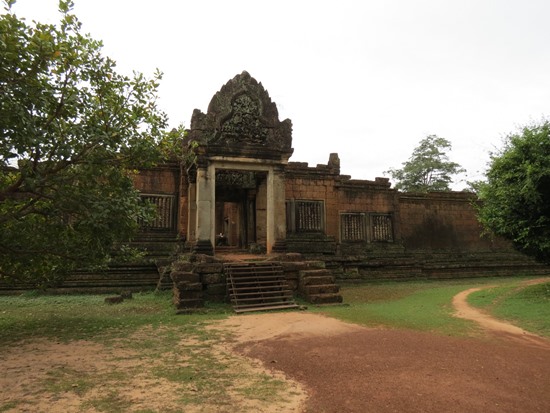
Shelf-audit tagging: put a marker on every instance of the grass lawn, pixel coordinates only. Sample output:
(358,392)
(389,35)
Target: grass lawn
(527,307)
(74,317)
(426,305)
(141,342)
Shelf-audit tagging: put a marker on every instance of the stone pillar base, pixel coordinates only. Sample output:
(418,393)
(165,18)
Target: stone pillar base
(279,246)
(203,246)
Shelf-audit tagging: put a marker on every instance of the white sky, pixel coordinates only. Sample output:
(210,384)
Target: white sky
(367,79)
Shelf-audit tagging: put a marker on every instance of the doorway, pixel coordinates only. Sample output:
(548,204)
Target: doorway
(238,211)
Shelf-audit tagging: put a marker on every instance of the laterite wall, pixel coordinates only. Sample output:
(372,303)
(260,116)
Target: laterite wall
(443,220)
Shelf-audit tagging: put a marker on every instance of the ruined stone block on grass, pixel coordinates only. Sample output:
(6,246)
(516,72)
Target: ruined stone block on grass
(189,303)
(114,300)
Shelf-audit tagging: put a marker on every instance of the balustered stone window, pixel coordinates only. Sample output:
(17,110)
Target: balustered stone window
(381,228)
(353,226)
(165,206)
(305,216)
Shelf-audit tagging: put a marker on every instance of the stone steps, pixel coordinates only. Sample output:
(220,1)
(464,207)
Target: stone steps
(321,289)
(317,286)
(187,289)
(258,287)
(113,280)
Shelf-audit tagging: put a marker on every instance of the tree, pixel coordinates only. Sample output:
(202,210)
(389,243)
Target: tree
(515,198)
(428,169)
(72,130)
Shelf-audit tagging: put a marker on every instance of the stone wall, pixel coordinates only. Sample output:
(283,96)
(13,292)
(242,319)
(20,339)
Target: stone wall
(433,235)
(161,180)
(438,221)
(339,195)
(443,221)
(167,180)
(389,265)
(183,207)
(304,183)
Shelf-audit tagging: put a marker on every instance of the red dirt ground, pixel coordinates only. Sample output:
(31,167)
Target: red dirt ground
(356,369)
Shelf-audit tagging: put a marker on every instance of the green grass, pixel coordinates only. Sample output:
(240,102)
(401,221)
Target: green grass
(417,305)
(7,406)
(180,350)
(62,379)
(73,317)
(109,401)
(527,307)
(147,337)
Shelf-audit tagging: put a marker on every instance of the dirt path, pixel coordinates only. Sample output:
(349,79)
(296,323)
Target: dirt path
(498,327)
(348,368)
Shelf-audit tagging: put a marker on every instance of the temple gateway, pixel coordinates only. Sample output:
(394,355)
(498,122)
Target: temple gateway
(241,192)
(236,188)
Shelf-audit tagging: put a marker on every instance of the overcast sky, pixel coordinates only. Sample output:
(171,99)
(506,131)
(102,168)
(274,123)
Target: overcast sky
(366,79)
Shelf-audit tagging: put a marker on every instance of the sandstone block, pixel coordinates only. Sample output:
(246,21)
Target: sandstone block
(184,276)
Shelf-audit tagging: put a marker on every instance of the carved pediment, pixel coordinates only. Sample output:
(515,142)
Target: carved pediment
(241,117)
(244,125)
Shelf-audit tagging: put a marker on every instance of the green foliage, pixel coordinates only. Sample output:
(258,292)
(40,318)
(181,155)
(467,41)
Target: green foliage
(71,131)
(515,199)
(428,168)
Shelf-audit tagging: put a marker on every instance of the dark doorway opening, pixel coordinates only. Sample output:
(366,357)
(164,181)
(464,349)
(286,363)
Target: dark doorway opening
(236,212)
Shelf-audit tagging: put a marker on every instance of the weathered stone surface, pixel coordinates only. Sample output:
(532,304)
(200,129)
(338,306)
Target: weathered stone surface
(321,289)
(318,286)
(126,295)
(182,266)
(182,295)
(293,266)
(202,258)
(312,244)
(213,268)
(189,303)
(321,279)
(325,299)
(288,257)
(314,272)
(216,289)
(188,286)
(315,265)
(212,278)
(292,284)
(114,300)
(184,276)
(203,247)
(240,116)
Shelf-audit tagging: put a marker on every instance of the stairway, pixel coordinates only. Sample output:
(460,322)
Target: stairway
(257,287)
(318,286)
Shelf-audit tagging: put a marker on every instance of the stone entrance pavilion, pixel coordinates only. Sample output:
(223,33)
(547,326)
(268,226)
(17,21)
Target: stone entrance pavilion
(236,189)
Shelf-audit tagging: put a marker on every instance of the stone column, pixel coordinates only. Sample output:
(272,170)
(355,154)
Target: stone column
(191,213)
(205,195)
(276,211)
